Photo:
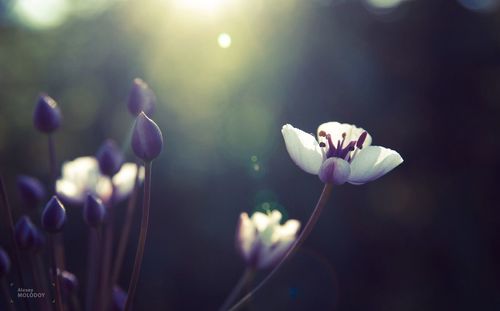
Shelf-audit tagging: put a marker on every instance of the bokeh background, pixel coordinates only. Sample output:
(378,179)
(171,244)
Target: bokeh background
(422,76)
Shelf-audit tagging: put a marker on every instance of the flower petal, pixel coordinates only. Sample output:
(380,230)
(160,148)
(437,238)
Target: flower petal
(336,129)
(303,148)
(371,163)
(124,180)
(245,236)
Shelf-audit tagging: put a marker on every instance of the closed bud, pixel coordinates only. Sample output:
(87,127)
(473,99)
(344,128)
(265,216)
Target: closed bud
(141,98)
(110,158)
(93,211)
(53,216)
(334,171)
(4,263)
(147,140)
(25,233)
(69,282)
(30,190)
(47,116)
(119,299)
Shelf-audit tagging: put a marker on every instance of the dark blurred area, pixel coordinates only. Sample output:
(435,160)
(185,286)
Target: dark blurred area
(422,76)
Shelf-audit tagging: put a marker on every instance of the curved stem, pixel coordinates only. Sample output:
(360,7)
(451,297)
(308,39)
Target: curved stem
(142,238)
(298,242)
(244,279)
(52,162)
(124,236)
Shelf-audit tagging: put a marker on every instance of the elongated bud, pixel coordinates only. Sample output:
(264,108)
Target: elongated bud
(47,116)
(53,216)
(4,263)
(69,282)
(334,171)
(119,299)
(30,190)
(147,140)
(141,98)
(25,233)
(93,211)
(110,158)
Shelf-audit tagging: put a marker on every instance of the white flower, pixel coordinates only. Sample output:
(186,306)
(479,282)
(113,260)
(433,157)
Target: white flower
(341,153)
(262,240)
(82,176)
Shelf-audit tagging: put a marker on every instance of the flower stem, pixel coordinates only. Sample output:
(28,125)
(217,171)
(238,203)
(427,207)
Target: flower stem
(243,281)
(125,234)
(92,268)
(15,247)
(6,294)
(55,273)
(142,238)
(295,246)
(107,251)
(52,163)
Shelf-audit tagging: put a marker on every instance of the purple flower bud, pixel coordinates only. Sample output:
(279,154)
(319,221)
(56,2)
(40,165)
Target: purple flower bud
(141,98)
(147,140)
(93,211)
(31,190)
(25,233)
(110,158)
(53,216)
(334,171)
(47,116)
(4,263)
(69,282)
(119,299)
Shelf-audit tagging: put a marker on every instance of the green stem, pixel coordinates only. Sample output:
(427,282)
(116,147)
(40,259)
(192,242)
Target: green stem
(295,246)
(243,281)
(142,238)
(55,273)
(125,234)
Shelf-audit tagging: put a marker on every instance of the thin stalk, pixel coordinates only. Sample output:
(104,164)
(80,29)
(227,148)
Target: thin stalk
(107,251)
(125,234)
(15,247)
(40,268)
(6,294)
(37,280)
(245,278)
(92,268)
(142,238)
(52,163)
(313,219)
(55,273)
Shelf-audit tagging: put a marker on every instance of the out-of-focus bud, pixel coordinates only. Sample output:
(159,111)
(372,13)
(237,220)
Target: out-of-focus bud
(53,216)
(30,190)
(25,233)
(141,98)
(119,299)
(110,158)
(47,116)
(4,263)
(69,282)
(334,171)
(262,241)
(147,140)
(93,211)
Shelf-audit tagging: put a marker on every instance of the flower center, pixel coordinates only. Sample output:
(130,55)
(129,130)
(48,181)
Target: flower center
(339,150)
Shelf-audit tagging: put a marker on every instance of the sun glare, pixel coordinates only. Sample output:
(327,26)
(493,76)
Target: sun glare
(209,6)
(224,40)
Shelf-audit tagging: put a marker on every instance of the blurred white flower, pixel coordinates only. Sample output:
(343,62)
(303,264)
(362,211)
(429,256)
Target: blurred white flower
(82,176)
(262,240)
(342,153)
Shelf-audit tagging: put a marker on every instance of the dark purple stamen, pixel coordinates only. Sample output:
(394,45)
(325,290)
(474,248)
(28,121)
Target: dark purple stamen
(340,151)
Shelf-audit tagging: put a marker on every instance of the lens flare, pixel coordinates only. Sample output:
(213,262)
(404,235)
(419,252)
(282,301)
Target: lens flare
(224,40)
